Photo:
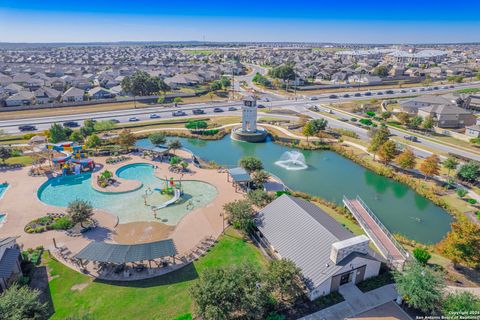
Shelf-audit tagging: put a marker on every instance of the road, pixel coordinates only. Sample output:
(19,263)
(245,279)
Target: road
(300,105)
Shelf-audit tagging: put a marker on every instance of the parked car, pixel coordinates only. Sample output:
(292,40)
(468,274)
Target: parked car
(218,110)
(71,124)
(178,113)
(133,119)
(27,128)
(411,138)
(232,109)
(154,116)
(198,111)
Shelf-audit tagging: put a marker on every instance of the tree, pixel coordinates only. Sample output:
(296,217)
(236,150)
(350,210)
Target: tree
(420,286)
(381,71)
(430,166)
(57,133)
(284,72)
(80,211)
(428,123)
(319,124)
(407,159)
(259,198)
(233,292)
(157,139)
(240,214)
(161,100)
(285,279)
(378,138)
(196,124)
(462,243)
(177,100)
(93,141)
(450,164)
(126,138)
(22,303)
(5,153)
(174,145)
(184,165)
(308,130)
(461,192)
(175,161)
(88,127)
(387,151)
(415,122)
(421,255)
(469,172)
(403,117)
(224,82)
(142,84)
(251,164)
(215,86)
(105,125)
(259,178)
(76,136)
(463,302)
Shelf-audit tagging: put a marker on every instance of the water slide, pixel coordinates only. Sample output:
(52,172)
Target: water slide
(176,195)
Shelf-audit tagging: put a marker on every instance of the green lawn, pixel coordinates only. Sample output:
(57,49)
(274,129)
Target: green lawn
(25,160)
(159,298)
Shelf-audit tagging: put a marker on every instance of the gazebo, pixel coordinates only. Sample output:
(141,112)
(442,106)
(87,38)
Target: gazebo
(239,176)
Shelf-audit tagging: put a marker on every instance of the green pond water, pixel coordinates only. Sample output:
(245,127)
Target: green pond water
(330,176)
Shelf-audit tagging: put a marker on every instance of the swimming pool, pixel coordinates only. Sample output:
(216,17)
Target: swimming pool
(129,206)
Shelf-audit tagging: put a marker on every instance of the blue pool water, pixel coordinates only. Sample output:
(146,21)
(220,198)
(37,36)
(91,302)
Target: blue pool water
(129,206)
(2,217)
(3,188)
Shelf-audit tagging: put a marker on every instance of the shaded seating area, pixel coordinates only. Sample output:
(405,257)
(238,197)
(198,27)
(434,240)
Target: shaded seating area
(239,177)
(121,261)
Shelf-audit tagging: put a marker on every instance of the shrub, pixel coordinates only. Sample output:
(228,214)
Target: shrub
(366,122)
(421,255)
(461,192)
(62,223)
(471,201)
(478,215)
(23,280)
(370,113)
(39,229)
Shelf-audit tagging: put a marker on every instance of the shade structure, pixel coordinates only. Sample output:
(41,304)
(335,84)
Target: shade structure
(239,175)
(123,253)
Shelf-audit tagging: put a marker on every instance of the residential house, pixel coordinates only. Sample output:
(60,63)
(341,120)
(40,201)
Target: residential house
(10,269)
(448,116)
(73,95)
(473,131)
(47,95)
(98,93)
(327,254)
(364,79)
(22,98)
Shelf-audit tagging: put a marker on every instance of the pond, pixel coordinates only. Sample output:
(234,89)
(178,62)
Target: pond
(330,176)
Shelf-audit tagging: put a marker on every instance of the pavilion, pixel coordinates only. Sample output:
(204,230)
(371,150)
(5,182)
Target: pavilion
(98,251)
(239,176)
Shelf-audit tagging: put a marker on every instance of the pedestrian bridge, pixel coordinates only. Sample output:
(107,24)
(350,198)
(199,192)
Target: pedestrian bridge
(389,248)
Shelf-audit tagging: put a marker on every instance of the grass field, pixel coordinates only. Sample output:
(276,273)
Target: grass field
(159,298)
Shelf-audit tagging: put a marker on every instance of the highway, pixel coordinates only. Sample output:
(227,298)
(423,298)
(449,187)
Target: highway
(269,100)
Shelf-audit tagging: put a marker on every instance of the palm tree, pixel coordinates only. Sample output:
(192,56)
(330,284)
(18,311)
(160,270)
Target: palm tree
(174,145)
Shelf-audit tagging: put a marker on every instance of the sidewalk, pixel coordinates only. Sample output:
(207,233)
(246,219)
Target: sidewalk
(356,302)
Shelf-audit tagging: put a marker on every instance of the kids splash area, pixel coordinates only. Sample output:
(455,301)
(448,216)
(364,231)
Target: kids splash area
(156,198)
(73,157)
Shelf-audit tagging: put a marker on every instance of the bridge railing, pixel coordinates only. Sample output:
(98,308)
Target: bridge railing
(384,229)
(367,229)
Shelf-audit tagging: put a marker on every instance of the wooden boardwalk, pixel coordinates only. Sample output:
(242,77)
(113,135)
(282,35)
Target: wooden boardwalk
(377,232)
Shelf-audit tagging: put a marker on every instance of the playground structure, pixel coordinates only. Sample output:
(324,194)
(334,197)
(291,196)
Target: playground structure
(75,158)
(172,188)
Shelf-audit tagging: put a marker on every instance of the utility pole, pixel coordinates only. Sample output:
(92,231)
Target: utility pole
(233,85)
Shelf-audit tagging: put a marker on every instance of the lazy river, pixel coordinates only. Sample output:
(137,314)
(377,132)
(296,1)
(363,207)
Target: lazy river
(330,176)
(129,206)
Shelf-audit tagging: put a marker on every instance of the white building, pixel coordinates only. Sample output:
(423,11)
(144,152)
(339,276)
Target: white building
(327,254)
(249,115)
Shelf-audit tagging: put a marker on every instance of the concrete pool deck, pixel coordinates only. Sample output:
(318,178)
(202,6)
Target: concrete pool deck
(22,205)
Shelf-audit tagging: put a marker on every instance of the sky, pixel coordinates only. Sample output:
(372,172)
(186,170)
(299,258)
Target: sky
(347,21)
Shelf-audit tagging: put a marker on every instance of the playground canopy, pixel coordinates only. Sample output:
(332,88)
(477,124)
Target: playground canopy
(122,253)
(239,175)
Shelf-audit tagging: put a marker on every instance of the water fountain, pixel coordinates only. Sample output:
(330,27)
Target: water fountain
(292,160)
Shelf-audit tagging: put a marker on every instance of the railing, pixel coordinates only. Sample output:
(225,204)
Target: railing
(384,229)
(367,229)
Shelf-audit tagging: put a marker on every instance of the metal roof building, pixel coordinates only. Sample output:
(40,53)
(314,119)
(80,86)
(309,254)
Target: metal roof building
(300,231)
